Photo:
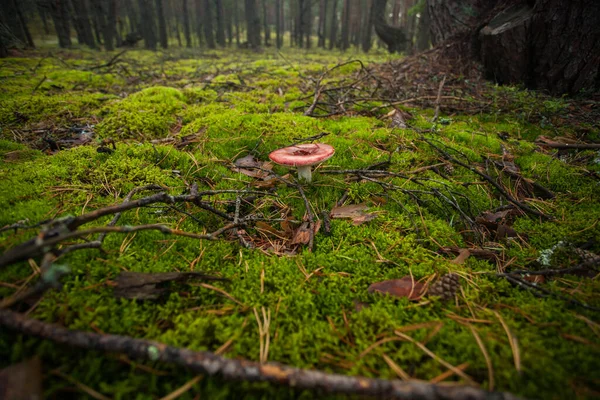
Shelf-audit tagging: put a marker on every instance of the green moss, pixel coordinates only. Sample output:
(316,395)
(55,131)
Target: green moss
(315,322)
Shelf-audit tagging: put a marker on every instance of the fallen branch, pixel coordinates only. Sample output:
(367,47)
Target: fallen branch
(243,370)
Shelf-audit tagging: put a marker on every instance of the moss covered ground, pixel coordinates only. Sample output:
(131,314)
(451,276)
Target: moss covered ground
(237,103)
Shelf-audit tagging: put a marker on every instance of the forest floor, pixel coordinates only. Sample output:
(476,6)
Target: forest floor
(462,189)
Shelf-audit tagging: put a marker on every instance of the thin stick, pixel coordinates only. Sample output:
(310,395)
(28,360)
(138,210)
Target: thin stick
(243,370)
(439,98)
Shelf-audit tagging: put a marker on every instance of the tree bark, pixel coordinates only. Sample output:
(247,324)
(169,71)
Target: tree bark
(199,22)
(266,24)
(423,36)
(236,21)
(346,25)
(252,24)
(367,30)
(451,18)
(220,23)
(393,37)
(333,26)
(132,17)
(278,20)
(209,35)
(162,25)
(60,17)
(82,19)
(147,24)
(229,24)
(186,24)
(111,25)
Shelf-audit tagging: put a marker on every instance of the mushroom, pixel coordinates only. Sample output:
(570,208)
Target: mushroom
(302,156)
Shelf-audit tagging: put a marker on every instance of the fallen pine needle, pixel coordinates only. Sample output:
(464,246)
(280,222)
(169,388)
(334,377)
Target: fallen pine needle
(488,360)
(181,390)
(445,375)
(396,368)
(437,358)
(512,340)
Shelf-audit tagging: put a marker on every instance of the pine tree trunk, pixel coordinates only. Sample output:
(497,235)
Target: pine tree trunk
(393,37)
(220,23)
(59,13)
(186,24)
(23,25)
(367,30)
(111,25)
(346,25)
(229,24)
(131,16)
(199,7)
(423,36)
(307,19)
(83,20)
(266,24)
(333,25)
(208,25)
(162,25)
(236,21)
(252,24)
(553,46)
(147,24)
(278,20)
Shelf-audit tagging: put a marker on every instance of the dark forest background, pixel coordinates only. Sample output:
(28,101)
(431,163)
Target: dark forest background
(109,24)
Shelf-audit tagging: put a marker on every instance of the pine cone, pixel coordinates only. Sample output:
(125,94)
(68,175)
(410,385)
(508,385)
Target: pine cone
(446,287)
(448,169)
(588,257)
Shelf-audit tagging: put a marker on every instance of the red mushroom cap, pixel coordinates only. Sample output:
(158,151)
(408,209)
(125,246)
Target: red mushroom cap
(300,155)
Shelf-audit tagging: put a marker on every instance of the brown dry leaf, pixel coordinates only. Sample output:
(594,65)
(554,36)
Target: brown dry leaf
(22,380)
(462,257)
(356,212)
(246,165)
(302,235)
(535,278)
(405,287)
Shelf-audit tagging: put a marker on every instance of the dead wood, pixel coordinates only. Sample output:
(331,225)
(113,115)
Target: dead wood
(243,370)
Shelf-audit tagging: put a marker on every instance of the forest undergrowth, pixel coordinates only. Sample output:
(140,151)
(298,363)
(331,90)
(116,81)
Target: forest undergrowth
(454,236)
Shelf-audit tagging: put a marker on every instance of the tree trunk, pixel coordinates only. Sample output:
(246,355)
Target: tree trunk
(209,35)
(307,21)
(393,37)
(451,18)
(553,46)
(44,17)
(346,25)
(236,21)
(423,36)
(266,24)
(147,24)
(252,23)
(131,16)
(199,21)
(396,11)
(229,24)
(111,26)
(83,20)
(22,22)
(367,30)
(220,23)
(333,26)
(186,24)
(162,25)
(278,20)
(59,13)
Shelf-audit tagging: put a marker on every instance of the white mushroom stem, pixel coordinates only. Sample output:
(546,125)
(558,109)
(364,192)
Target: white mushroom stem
(305,173)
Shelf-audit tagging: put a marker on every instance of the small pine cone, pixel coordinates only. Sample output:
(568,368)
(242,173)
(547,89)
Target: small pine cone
(446,287)
(448,168)
(588,257)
